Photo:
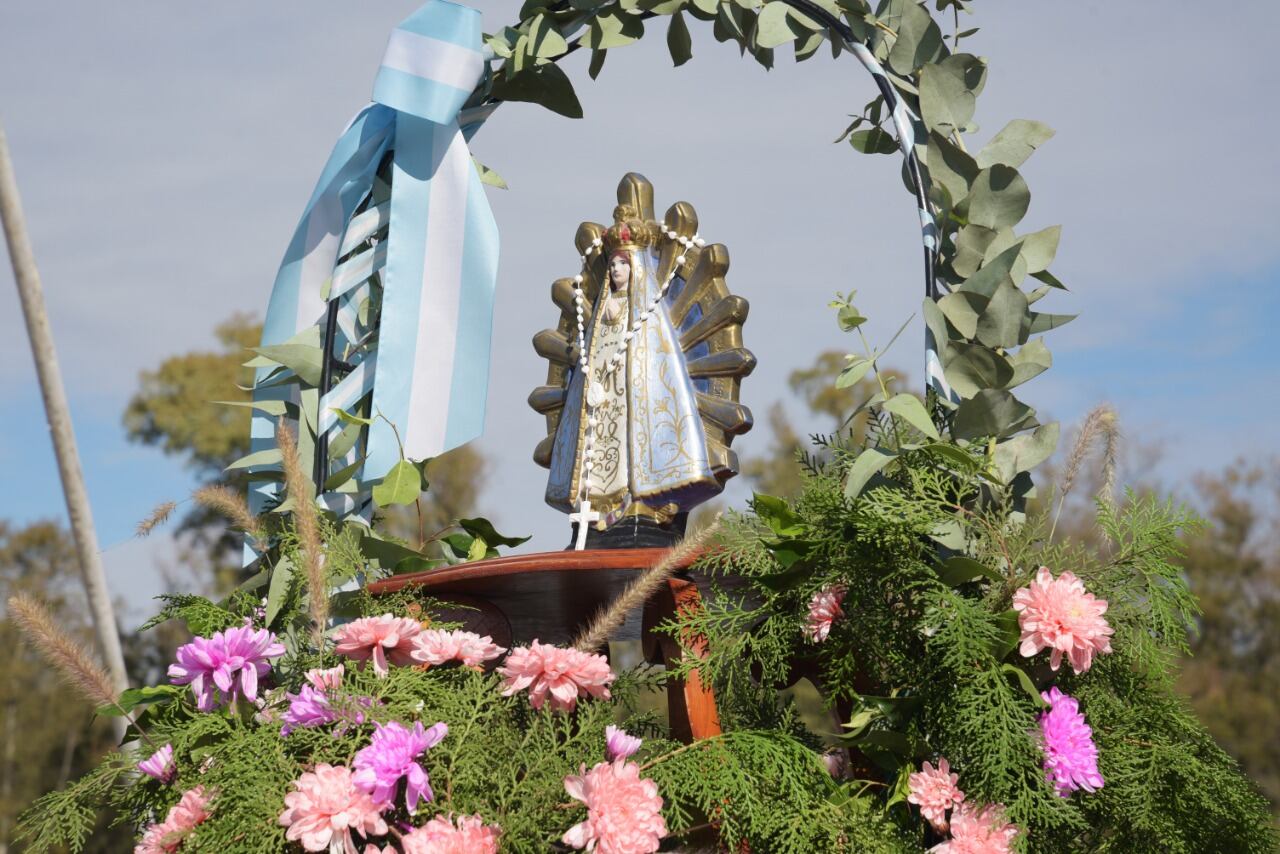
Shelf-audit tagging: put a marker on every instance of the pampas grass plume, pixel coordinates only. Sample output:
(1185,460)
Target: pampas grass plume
(307,522)
(230,504)
(72,661)
(157,517)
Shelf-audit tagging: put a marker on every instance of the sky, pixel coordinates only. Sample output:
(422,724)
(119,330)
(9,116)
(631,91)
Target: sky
(164,152)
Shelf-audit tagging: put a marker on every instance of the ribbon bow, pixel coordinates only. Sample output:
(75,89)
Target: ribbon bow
(438,263)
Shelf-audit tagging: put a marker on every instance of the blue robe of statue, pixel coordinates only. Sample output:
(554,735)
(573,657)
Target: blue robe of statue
(649,426)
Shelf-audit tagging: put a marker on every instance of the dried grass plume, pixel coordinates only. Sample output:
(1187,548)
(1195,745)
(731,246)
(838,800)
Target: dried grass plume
(307,522)
(72,661)
(1101,424)
(156,518)
(230,504)
(611,618)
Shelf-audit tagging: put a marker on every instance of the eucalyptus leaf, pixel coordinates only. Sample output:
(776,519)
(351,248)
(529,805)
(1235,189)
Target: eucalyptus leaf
(996,272)
(962,309)
(919,40)
(1026,451)
(545,41)
(1041,322)
(909,408)
(612,30)
(547,85)
(960,569)
(278,588)
(946,103)
(1014,143)
(990,412)
(679,42)
(773,27)
(971,247)
(336,480)
(402,485)
(1002,322)
(1010,632)
(950,166)
(973,367)
(873,141)
(268,457)
(303,359)
(868,463)
(347,418)
(853,373)
(1031,360)
(1040,247)
(999,197)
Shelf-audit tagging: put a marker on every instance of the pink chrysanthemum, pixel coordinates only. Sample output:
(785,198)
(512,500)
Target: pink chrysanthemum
(470,835)
(437,646)
(323,680)
(934,790)
(623,810)
(167,836)
(824,609)
(210,665)
(618,744)
(380,638)
(160,765)
(563,673)
(1070,756)
(1058,614)
(326,808)
(392,753)
(308,708)
(979,831)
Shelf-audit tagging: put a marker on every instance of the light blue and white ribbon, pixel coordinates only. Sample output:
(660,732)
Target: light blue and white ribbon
(438,265)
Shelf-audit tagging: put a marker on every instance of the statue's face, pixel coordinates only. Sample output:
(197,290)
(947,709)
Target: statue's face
(619,270)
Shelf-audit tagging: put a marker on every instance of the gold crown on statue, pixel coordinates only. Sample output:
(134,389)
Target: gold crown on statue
(629,231)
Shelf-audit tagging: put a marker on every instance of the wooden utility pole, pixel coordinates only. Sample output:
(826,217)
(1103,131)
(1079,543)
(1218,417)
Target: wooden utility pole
(58,415)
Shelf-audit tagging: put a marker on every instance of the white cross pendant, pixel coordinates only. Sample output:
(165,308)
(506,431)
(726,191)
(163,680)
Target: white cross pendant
(584,517)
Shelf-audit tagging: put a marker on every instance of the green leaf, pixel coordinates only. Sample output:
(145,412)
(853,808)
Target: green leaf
(950,166)
(678,41)
(132,698)
(278,589)
(418,563)
(547,85)
(868,463)
(1031,360)
(777,514)
(478,549)
(597,63)
(990,412)
(963,308)
(919,40)
(545,41)
(788,553)
(483,528)
(268,457)
(999,198)
(303,359)
(909,408)
(949,534)
(1024,681)
(1044,322)
(973,367)
(993,274)
(347,418)
(1026,451)
(1039,248)
(960,569)
(946,103)
(274,408)
(953,454)
(342,475)
(1014,143)
(386,553)
(488,176)
(972,69)
(400,486)
(873,141)
(853,373)
(773,27)
(1010,632)
(1049,279)
(1003,320)
(971,248)
(612,30)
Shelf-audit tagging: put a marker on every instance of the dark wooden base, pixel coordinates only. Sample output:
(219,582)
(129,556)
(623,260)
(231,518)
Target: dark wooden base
(550,596)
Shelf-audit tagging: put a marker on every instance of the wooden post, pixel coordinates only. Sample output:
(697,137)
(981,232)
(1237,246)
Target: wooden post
(58,416)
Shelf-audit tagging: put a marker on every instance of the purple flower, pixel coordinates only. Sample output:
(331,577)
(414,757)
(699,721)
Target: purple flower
(210,665)
(391,754)
(161,765)
(618,744)
(1070,756)
(307,708)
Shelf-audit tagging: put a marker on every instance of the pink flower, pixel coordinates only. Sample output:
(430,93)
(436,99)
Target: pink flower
(392,754)
(308,708)
(837,763)
(1058,614)
(326,807)
(212,663)
(623,810)
(563,673)
(441,836)
(1070,756)
(979,831)
(379,638)
(323,680)
(436,646)
(167,836)
(824,609)
(161,765)
(618,744)
(934,790)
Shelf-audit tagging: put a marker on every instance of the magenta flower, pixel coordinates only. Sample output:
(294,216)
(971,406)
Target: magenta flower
(307,708)
(392,753)
(161,765)
(1058,614)
(824,609)
(618,744)
(1070,756)
(545,670)
(210,665)
(934,790)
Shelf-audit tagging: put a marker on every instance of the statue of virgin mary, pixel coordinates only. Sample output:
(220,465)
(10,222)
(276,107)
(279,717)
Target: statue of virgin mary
(645,368)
